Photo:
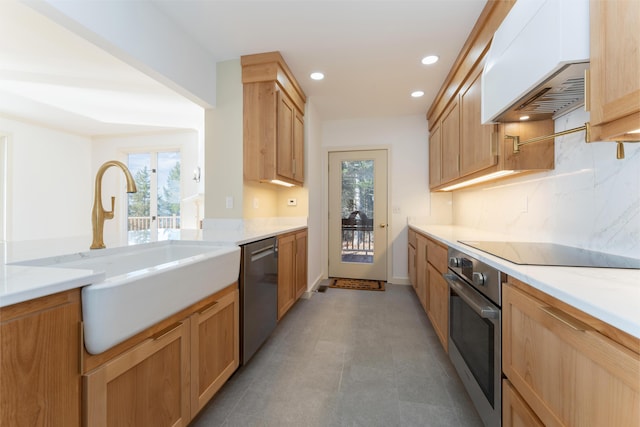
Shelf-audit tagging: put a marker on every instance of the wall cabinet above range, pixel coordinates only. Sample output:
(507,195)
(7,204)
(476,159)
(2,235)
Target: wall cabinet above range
(273,120)
(461,148)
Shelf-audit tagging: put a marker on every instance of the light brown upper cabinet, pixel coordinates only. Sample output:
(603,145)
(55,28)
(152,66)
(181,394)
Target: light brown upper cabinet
(273,120)
(615,60)
(477,150)
(450,128)
(461,148)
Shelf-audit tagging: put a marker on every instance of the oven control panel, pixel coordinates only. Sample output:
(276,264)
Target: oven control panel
(486,279)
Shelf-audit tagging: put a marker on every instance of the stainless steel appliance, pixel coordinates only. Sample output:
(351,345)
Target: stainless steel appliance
(475,332)
(258,295)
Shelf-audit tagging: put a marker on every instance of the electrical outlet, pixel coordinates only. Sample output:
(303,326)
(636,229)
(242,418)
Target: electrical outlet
(229,202)
(292,202)
(256,203)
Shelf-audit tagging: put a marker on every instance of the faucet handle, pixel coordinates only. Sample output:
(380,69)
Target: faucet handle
(109,214)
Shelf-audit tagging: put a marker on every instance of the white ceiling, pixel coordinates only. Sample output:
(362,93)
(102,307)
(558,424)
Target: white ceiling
(369,50)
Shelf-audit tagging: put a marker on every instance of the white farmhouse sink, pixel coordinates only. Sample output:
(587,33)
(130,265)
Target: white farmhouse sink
(145,283)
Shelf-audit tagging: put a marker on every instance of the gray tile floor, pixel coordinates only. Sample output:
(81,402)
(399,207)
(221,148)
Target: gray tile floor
(347,358)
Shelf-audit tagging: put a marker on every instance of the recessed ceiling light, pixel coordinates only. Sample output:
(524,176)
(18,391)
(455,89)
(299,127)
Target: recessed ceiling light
(523,118)
(317,75)
(417,94)
(431,59)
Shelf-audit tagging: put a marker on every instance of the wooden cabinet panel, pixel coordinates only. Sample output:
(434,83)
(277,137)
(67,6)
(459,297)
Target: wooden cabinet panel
(450,137)
(215,348)
(146,386)
(437,255)
(567,372)
(286,273)
(301,263)
(298,147)
(435,157)
(515,411)
(615,61)
(292,269)
(412,258)
(273,120)
(422,279)
(476,140)
(439,305)
(40,383)
(284,132)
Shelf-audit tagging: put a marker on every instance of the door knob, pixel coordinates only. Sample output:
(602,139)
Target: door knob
(383,225)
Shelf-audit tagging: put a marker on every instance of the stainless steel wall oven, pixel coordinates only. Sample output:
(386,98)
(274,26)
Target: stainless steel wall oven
(475,332)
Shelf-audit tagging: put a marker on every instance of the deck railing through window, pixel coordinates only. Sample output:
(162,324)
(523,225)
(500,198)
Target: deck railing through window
(137,223)
(357,237)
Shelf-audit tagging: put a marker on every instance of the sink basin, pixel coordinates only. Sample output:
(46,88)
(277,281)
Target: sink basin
(145,284)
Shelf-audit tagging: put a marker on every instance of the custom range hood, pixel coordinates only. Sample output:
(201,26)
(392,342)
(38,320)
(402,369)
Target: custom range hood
(537,60)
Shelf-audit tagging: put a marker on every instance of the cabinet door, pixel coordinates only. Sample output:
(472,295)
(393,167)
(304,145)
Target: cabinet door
(298,147)
(439,305)
(301,263)
(40,383)
(422,288)
(450,137)
(146,386)
(515,411)
(568,373)
(286,273)
(476,146)
(435,157)
(284,138)
(615,61)
(412,266)
(215,348)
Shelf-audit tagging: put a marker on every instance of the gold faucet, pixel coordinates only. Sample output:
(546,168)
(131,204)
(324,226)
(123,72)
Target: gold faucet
(98,214)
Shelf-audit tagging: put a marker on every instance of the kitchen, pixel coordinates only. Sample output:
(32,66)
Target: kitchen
(588,189)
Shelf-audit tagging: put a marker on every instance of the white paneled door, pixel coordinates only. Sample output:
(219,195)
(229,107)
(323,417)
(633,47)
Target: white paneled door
(358,214)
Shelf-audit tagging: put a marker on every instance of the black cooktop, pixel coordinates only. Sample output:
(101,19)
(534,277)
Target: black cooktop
(536,253)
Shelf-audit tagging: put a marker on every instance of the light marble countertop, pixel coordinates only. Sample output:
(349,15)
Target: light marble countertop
(20,283)
(609,294)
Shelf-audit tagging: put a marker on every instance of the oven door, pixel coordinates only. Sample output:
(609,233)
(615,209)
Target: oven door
(475,343)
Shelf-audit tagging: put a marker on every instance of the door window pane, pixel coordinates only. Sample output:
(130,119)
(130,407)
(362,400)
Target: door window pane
(139,203)
(168,194)
(357,211)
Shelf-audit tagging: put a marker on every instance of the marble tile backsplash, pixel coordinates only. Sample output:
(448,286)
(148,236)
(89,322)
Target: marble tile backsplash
(591,199)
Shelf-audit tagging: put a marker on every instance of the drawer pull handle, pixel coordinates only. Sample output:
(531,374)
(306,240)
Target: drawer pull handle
(166,331)
(568,320)
(208,308)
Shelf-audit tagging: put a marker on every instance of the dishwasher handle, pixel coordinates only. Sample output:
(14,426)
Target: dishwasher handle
(263,252)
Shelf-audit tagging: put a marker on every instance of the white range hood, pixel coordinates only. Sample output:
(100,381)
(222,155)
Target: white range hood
(536,63)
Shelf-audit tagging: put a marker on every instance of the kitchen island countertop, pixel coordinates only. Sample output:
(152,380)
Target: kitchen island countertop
(609,294)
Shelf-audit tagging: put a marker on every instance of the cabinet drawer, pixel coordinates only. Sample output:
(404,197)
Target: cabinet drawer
(412,237)
(437,255)
(515,411)
(568,373)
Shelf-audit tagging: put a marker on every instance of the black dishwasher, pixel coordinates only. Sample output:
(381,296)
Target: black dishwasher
(258,295)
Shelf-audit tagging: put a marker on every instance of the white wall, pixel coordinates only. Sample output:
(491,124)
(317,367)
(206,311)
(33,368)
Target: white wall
(139,34)
(113,182)
(406,138)
(49,186)
(591,199)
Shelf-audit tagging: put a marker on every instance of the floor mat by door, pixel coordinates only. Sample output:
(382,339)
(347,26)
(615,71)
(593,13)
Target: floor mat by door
(360,284)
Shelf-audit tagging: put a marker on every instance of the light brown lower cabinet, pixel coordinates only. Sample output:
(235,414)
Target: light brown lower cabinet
(292,269)
(515,411)
(422,272)
(564,366)
(40,381)
(167,378)
(439,306)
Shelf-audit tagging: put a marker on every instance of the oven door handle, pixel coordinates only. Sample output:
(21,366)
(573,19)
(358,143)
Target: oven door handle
(474,301)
